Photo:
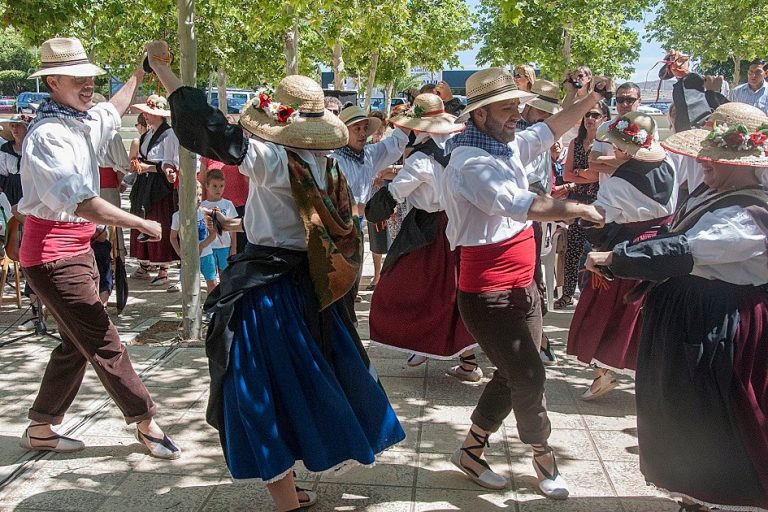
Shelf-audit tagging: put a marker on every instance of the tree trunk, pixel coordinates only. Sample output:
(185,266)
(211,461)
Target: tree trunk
(210,87)
(736,70)
(388,98)
(190,278)
(567,46)
(371,81)
(291,48)
(338,67)
(221,88)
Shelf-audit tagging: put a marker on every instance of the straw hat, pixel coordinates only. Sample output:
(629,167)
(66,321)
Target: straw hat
(633,133)
(65,56)
(549,96)
(490,86)
(294,116)
(739,136)
(427,115)
(354,114)
(5,124)
(155,105)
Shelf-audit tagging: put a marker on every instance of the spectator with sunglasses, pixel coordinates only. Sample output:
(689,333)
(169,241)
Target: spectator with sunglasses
(576,85)
(524,76)
(333,104)
(601,158)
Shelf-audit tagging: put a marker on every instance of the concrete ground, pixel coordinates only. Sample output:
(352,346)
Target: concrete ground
(596,442)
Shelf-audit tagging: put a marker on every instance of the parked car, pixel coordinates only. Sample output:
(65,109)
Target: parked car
(236,99)
(378,103)
(7,106)
(662,106)
(27,102)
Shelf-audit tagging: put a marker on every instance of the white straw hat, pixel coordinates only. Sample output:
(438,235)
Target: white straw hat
(294,116)
(634,134)
(738,136)
(155,105)
(354,114)
(490,86)
(65,56)
(427,115)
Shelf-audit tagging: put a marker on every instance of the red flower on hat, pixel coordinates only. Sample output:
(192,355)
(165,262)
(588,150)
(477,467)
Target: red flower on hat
(632,129)
(283,113)
(735,139)
(264,100)
(757,139)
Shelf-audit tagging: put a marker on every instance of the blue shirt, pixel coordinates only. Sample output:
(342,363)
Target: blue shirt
(758,98)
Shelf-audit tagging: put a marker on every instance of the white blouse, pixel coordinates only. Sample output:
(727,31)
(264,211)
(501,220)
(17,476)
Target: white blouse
(486,197)
(727,245)
(623,203)
(418,182)
(114,155)
(8,164)
(377,157)
(59,166)
(271,217)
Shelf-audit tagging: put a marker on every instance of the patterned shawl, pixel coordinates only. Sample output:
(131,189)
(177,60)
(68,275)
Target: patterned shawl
(334,239)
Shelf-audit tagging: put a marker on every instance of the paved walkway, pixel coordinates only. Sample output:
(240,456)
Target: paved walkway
(596,442)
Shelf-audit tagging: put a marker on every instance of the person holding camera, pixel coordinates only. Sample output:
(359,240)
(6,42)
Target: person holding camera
(577,85)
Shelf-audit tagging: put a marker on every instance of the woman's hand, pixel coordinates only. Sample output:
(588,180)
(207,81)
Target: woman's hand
(561,191)
(595,260)
(158,54)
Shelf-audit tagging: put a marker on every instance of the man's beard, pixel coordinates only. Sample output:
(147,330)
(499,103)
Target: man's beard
(496,130)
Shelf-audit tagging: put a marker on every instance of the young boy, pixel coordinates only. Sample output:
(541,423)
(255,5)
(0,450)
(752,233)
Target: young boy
(223,245)
(205,239)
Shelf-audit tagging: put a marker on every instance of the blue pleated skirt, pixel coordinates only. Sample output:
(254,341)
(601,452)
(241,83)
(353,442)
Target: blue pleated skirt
(285,402)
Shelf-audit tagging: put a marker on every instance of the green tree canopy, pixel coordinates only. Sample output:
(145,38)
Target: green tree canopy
(560,34)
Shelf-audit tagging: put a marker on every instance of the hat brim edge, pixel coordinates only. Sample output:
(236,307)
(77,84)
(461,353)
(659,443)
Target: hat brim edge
(78,70)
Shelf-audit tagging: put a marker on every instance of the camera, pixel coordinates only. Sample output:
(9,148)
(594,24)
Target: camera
(578,84)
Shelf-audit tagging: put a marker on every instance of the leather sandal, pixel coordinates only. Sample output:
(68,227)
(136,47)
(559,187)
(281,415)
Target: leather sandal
(311,498)
(63,445)
(553,485)
(161,448)
(487,478)
(563,302)
(692,507)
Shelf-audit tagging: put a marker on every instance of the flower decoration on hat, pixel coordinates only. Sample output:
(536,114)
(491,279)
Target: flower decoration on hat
(281,113)
(738,137)
(631,132)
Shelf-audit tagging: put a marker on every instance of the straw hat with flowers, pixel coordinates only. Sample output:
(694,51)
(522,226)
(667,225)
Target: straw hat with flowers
(738,135)
(155,105)
(633,133)
(427,115)
(490,86)
(294,116)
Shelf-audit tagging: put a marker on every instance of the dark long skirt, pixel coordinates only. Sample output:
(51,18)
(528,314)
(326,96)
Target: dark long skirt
(702,392)
(157,252)
(414,306)
(604,329)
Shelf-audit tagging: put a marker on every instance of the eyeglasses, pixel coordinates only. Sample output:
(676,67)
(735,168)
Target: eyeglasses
(518,75)
(593,115)
(626,100)
(335,112)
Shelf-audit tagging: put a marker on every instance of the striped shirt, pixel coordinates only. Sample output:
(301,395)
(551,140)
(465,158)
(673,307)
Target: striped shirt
(758,98)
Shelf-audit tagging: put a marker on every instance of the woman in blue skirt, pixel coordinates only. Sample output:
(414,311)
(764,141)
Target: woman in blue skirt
(290,380)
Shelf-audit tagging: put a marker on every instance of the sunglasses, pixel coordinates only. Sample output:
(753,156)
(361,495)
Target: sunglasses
(335,112)
(626,100)
(519,75)
(593,115)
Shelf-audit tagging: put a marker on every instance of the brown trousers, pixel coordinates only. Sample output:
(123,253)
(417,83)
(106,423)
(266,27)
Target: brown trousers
(69,288)
(507,326)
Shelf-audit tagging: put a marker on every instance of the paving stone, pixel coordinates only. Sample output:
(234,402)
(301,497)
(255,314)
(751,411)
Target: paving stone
(480,500)
(367,498)
(393,468)
(150,491)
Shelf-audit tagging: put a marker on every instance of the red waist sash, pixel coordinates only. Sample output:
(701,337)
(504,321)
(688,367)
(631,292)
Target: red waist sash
(48,240)
(500,266)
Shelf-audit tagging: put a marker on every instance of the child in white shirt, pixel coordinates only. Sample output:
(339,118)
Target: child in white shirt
(205,239)
(223,245)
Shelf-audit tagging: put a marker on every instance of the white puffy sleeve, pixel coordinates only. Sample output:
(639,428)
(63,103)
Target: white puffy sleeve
(263,162)
(532,142)
(481,182)
(417,169)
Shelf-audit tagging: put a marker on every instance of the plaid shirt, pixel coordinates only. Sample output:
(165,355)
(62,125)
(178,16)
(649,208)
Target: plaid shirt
(471,136)
(49,108)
